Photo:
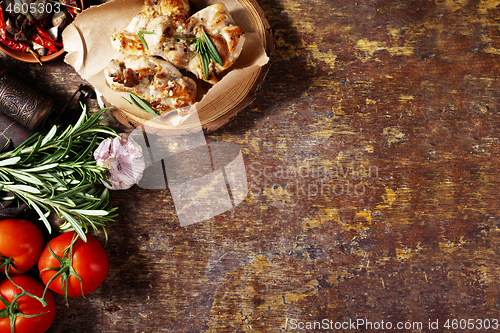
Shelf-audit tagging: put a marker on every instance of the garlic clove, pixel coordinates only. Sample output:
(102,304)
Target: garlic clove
(123,158)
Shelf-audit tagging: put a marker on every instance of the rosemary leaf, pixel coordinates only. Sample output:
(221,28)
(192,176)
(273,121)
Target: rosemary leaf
(207,51)
(92,212)
(43,167)
(36,147)
(65,153)
(126,100)
(89,149)
(26,177)
(49,136)
(24,188)
(79,123)
(211,49)
(140,33)
(77,227)
(10,161)
(140,103)
(41,214)
(71,192)
(205,59)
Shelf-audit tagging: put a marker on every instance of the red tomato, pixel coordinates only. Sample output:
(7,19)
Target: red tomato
(27,305)
(22,241)
(89,261)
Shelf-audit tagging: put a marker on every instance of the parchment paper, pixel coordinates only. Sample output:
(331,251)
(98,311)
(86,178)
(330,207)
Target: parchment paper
(88,44)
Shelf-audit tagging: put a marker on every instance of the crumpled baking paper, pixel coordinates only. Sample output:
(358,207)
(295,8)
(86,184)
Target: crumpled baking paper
(88,44)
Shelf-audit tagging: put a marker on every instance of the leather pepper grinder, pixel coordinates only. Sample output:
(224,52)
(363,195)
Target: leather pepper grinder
(21,102)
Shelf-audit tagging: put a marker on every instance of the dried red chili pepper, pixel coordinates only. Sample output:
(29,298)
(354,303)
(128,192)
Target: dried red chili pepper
(45,43)
(72,7)
(8,41)
(42,38)
(3,28)
(14,44)
(45,36)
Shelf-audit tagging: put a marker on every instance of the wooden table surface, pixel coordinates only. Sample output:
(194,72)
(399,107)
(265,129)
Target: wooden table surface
(371,154)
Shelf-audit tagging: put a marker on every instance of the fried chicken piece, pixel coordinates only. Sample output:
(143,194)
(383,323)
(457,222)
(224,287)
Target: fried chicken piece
(169,31)
(162,18)
(155,80)
(227,38)
(177,10)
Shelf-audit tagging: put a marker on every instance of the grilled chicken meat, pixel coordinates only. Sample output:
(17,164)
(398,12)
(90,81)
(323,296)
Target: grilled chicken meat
(168,31)
(227,38)
(162,17)
(154,80)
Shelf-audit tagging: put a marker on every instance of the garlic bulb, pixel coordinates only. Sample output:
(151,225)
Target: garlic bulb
(124,160)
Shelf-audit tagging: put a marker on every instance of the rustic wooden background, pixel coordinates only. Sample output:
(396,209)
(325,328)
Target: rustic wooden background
(372,154)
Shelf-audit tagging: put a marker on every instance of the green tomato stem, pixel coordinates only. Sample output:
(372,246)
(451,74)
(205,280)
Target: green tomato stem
(11,309)
(24,292)
(64,271)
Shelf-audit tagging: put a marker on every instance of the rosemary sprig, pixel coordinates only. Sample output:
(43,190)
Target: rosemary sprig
(207,51)
(55,172)
(141,104)
(141,34)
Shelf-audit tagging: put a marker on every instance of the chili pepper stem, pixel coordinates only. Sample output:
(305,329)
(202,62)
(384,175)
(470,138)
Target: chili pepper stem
(34,55)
